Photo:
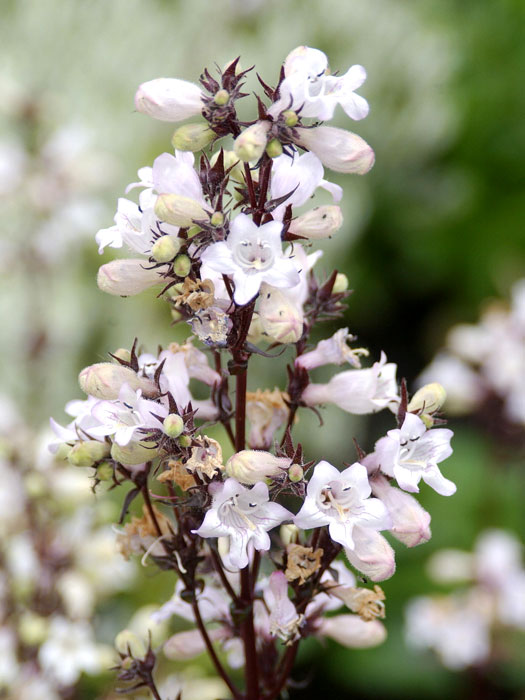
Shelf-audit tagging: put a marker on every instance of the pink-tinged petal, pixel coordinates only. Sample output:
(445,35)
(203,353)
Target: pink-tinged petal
(435,479)
(372,555)
(407,479)
(246,286)
(212,526)
(375,515)
(261,541)
(342,533)
(189,644)
(238,554)
(354,105)
(352,632)
(324,472)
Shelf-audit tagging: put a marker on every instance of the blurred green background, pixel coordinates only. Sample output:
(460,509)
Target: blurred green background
(431,232)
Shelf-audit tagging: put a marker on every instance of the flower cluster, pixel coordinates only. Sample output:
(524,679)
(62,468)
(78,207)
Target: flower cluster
(58,563)
(483,365)
(253,539)
(461,627)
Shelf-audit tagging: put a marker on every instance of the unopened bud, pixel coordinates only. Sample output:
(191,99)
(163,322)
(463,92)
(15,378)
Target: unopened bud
(134,452)
(182,265)
(33,629)
(123,354)
(338,149)
(105,471)
(290,534)
(280,318)
(411,522)
(221,97)
(351,631)
(178,210)
(290,117)
(125,278)
(274,148)
(105,379)
(127,642)
(372,555)
(321,222)
(165,249)
(295,473)
(429,399)
(169,99)
(340,284)
(173,425)
(184,440)
(63,450)
(217,218)
(85,454)
(250,144)
(126,663)
(251,466)
(192,137)
(232,163)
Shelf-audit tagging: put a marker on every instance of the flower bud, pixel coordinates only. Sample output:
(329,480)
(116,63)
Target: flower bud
(134,452)
(295,473)
(274,148)
(85,454)
(125,278)
(290,534)
(62,451)
(372,555)
(250,144)
(429,399)
(105,471)
(280,318)
(221,97)
(338,149)
(321,222)
(178,210)
(184,440)
(411,522)
(290,117)
(182,266)
(128,643)
(165,248)
(340,284)
(251,466)
(352,632)
(232,163)
(169,99)
(192,137)
(123,354)
(173,425)
(105,379)
(217,218)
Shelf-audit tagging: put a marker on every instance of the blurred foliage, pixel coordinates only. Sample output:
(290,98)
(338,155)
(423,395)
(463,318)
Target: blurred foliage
(432,231)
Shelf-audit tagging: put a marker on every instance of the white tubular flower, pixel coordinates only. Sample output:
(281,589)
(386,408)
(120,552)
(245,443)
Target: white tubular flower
(83,423)
(372,555)
(280,318)
(338,149)
(351,631)
(106,379)
(411,522)
(123,418)
(334,350)
(284,620)
(125,278)
(341,500)
(243,515)
(319,223)
(252,255)
(358,391)
(175,174)
(412,453)
(196,363)
(310,88)
(169,99)
(251,466)
(267,412)
(298,176)
(189,644)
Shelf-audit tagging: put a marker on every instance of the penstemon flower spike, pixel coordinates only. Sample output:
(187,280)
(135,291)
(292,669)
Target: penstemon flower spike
(222,236)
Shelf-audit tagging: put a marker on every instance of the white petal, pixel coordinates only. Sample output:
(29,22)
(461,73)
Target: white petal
(435,479)
(246,286)
(407,479)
